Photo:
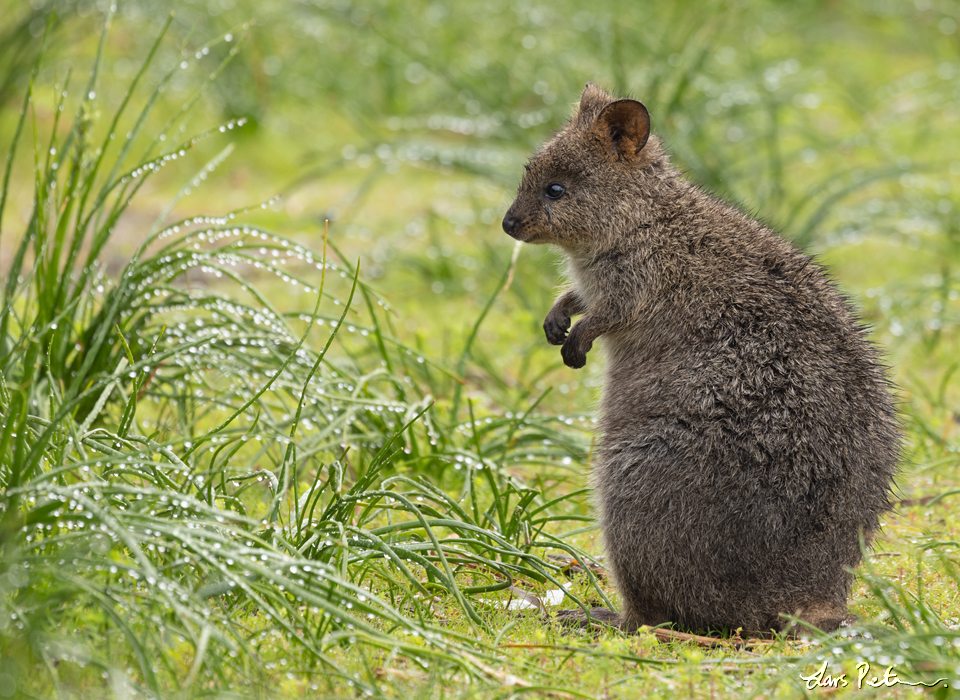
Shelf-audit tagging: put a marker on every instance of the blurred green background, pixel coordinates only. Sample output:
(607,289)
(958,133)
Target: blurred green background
(406,125)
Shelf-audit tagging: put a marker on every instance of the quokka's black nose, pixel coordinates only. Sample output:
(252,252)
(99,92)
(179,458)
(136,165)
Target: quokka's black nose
(509,224)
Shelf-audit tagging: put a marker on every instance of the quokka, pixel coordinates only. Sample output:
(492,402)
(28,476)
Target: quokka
(748,437)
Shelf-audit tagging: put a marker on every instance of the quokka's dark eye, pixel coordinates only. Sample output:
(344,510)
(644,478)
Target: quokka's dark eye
(554,190)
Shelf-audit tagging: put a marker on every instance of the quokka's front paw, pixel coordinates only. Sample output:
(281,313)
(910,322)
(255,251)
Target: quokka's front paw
(556,326)
(574,353)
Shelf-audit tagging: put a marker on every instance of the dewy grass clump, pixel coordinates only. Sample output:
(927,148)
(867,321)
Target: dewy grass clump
(174,513)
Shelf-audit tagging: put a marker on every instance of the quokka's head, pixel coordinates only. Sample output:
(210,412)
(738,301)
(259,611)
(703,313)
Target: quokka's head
(577,183)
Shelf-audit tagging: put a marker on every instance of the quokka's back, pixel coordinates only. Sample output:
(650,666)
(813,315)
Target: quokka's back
(748,436)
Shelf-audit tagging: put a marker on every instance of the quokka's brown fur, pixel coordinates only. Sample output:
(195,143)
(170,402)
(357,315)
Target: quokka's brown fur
(747,434)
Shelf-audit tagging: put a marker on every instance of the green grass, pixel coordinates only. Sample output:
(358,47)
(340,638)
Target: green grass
(236,462)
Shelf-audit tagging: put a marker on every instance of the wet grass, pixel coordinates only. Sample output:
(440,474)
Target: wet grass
(238,462)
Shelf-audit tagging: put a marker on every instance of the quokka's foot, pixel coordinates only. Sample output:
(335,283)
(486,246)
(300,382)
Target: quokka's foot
(827,618)
(578,618)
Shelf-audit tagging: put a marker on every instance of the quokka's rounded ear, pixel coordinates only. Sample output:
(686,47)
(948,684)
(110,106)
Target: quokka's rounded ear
(593,98)
(623,128)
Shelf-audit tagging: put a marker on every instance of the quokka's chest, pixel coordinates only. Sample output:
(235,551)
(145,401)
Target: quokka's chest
(592,284)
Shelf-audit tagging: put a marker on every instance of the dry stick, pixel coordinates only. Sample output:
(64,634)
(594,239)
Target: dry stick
(665,635)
